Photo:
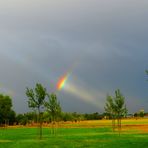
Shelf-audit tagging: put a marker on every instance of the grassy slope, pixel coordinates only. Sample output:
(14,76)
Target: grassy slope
(73,137)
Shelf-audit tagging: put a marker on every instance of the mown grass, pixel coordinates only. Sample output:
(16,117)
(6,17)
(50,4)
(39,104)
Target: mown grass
(98,137)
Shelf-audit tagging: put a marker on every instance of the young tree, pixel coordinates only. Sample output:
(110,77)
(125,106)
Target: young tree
(36,101)
(53,108)
(119,107)
(116,107)
(109,109)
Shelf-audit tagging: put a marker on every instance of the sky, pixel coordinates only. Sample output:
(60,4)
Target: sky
(102,44)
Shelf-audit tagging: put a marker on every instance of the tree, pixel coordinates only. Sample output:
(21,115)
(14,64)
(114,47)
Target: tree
(141,113)
(67,116)
(36,101)
(136,115)
(119,107)
(53,108)
(5,108)
(11,117)
(21,119)
(116,107)
(125,111)
(110,109)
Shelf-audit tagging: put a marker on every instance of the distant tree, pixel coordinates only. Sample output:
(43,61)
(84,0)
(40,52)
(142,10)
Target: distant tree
(53,108)
(5,108)
(91,116)
(136,115)
(67,116)
(26,118)
(36,101)
(46,117)
(11,117)
(20,119)
(141,113)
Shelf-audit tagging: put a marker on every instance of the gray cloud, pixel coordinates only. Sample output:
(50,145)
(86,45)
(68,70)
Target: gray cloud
(41,40)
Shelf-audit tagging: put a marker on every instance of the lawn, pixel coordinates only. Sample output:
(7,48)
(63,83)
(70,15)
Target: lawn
(74,135)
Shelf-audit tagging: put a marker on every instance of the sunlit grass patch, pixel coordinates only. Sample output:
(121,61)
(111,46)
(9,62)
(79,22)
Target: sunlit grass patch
(93,134)
(5,141)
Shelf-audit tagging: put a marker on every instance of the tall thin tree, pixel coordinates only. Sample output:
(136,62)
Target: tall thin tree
(53,108)
(117,108)
(36,100)
(109,109)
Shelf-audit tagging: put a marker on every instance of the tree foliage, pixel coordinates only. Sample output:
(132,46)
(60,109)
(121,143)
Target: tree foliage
(36,97)
(5,109)
(53,107)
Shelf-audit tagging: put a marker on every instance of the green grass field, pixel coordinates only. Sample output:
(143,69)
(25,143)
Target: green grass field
(76,137)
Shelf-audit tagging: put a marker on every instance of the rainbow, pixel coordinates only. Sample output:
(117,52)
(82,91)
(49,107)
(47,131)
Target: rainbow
(62,81)
(79,91)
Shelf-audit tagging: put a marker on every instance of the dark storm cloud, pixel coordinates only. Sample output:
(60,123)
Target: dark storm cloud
(41,40)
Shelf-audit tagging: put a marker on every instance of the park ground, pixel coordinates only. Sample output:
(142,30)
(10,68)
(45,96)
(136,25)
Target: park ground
(84,134)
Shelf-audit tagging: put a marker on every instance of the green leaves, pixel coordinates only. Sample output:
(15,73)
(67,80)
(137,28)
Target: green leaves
(53,106)
(40,93)
(5,107)
(119,102)
(36,96)
(109,105)
(116,105)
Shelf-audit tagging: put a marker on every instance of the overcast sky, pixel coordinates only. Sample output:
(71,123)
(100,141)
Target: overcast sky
(40,40)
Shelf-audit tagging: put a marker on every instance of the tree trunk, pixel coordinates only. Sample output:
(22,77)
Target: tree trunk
(113,123)
(40,123)
(119,124)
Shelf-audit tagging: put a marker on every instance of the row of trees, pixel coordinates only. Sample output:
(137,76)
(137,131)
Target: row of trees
(115,106)
(38,102)
(30,118)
